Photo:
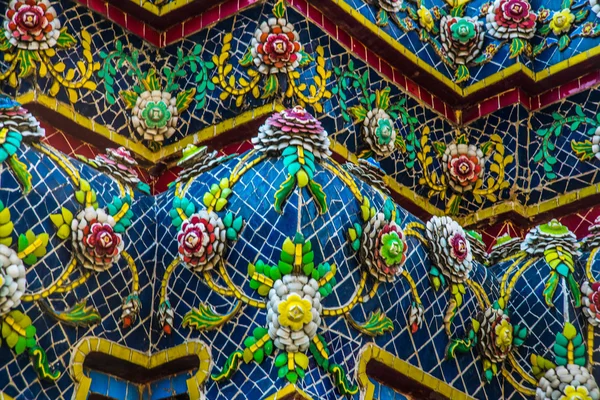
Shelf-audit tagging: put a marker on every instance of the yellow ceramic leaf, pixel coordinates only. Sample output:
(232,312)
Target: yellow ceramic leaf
(67,215)
(64,232)
(288,246)
(301,360)
(4,216)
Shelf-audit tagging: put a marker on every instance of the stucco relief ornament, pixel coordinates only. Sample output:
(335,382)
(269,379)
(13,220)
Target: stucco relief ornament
(463,164)
(512,20)
(504,247)
(155,115)
(477,247)
(96,244)
(494,336)
(369,172)
(196,160)
(592,240)
(558,246)
(201,241)
(567,377)
(32,24)
(17,125)
(591,302)
(119,164)
(379,132)
(387,10)
(301,139)
(462,40)
(452,260)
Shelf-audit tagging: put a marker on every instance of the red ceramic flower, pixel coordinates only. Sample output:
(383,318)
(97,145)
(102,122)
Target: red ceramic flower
(591,302)
(200,241)
(511,18)
(458,247)
(463,165)
(463,169)
(32,24)
(276,47)
(101,241)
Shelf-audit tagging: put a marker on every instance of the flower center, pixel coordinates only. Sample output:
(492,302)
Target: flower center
(155,114)
(463,31)
(30,19)
(279,46)
(105,239)
(464,167)
(517,8)
(191,240)
(560,21)
(395,248)
(296,313)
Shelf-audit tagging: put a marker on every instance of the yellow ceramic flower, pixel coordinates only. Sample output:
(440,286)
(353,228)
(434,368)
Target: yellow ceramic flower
(579,393)
(294,312)
(425,18)
(562,21)
(504,335)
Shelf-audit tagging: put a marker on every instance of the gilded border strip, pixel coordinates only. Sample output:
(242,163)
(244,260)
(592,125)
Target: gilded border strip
(94,344)
(373,352)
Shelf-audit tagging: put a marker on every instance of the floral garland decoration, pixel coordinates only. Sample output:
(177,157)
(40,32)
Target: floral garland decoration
(17,125)
(275,54)
(377,116)
(294,290)
(18,332)
(463,167)
(510,20)
(558,246)
(156,104)
(29,39)
(494,336)
(567,377)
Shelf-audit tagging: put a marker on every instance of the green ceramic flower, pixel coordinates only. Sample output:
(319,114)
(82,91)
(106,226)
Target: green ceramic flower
(392,248)
(463,31)
(156,114)
(384,130)
(10,141)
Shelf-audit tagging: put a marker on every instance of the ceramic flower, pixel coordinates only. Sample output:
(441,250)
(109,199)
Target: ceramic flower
(379,133)
(294,312)
(292,127)
(449,248)
(596,143)
(595,4)
(201,241)
(392,6)
(425,18)
(383,248)
(591,302)
(31,24)
(118,163)
(562,21)
(463,165)
(504,247)
(155,115)
(276,47)
(592,240)
(495,334)
(572,382)
(15,118)
(197,160)
(461,38)
(95,243)
(547,236)
(370,172)
(508,19)
(12,279)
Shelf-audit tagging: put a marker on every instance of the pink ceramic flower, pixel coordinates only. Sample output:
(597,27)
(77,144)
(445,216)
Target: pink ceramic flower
(463,164)
(276,47)
(591,302)
(32,24)
(463,169)
(119,164)
(458,247)
(511,18)
(201,241)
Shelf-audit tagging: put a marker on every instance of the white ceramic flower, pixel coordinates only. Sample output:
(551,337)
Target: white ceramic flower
(95,243)
(391,5)
(572,382)
(155,115)
(201,241)
(449,248)
(12,279)
(31,24)
(595,4)
(461,38)
(379,133)
(294,312)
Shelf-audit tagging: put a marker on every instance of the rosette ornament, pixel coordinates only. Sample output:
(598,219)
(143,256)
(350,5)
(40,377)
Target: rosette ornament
(495,337)
(301,140)
(509,19)
(294,312)
(201,241)
(31,24)
(591,302)
(462,40)
(463,164)
(450,251)
(276,47)
(95,243)
(379,133)
(558,245)
(12,280)
(383,248)
(119,164)
(155,115)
